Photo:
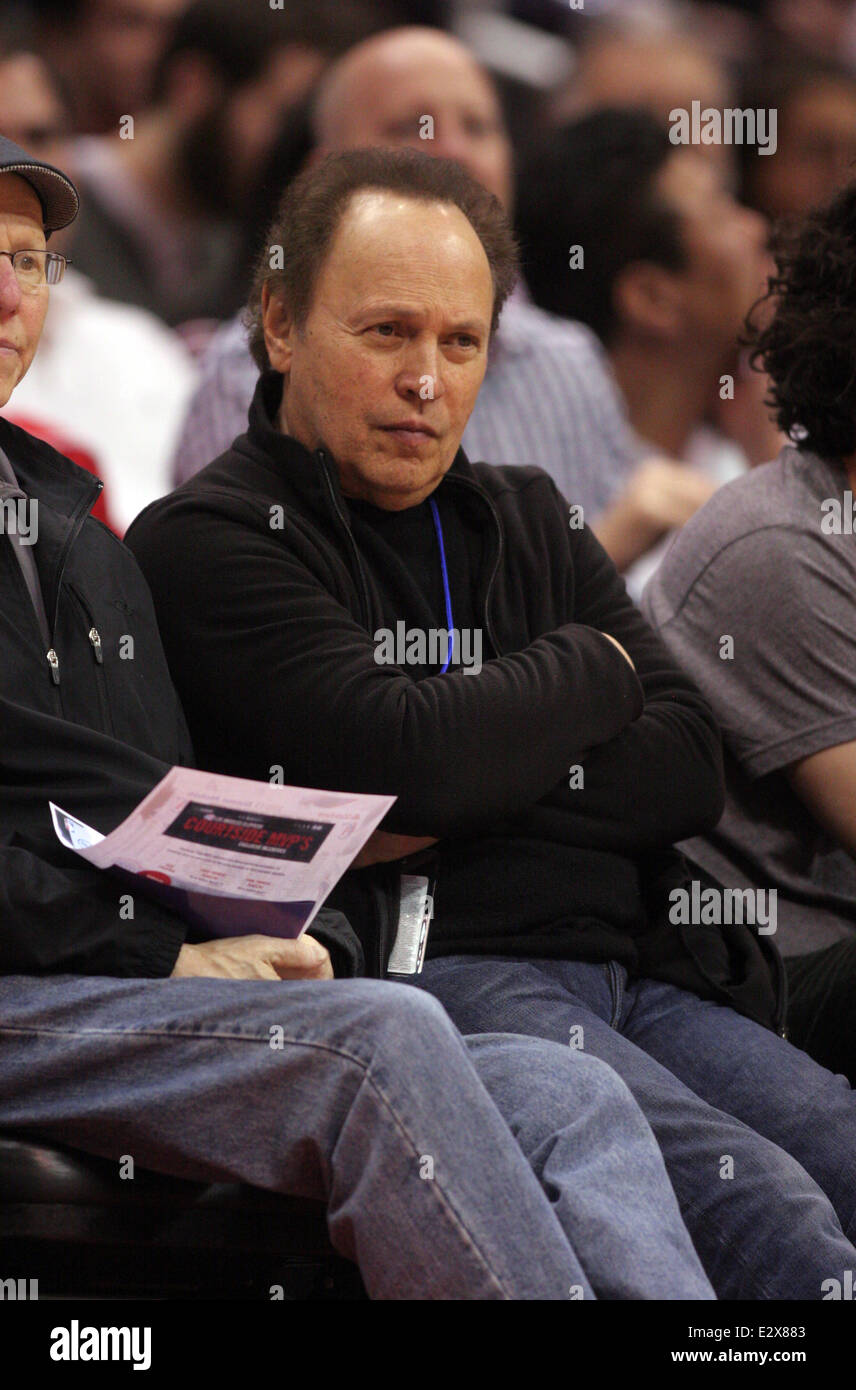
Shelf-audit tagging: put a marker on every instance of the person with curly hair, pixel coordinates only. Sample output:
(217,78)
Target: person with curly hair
(756,599)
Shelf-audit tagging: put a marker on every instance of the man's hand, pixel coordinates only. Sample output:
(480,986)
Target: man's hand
(381,847)
(256,958)
(660,496)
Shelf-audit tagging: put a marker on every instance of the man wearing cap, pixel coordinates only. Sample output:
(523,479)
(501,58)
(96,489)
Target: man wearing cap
(126,1037)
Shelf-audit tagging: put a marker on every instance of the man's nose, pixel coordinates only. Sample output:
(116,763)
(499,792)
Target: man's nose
(10,290)
(421,373)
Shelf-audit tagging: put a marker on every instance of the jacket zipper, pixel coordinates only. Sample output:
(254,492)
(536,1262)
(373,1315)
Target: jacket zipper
(474,487)
(94,638)
(53,660)
(365,597)
(386,885)
(77,522)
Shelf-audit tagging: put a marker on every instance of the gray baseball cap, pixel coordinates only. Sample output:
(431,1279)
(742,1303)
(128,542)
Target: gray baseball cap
(57,194)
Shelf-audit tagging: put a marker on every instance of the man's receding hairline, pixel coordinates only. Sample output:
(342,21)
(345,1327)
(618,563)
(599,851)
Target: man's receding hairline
(400,195)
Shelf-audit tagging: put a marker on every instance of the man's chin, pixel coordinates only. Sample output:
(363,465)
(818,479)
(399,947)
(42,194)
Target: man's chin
(404,485)
(7,386)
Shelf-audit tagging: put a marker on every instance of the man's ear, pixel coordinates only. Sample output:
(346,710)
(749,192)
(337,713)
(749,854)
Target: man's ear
(648,300)
(279,330)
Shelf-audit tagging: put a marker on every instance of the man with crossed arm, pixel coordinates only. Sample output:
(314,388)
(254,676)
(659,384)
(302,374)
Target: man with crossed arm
(348,507)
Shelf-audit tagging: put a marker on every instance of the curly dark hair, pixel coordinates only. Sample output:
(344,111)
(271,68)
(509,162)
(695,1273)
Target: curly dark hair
(808,346)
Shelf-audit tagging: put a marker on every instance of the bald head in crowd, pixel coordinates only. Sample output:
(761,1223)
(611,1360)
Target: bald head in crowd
(383,92)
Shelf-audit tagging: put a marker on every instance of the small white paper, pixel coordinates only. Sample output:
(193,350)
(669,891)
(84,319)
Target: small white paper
(199,837)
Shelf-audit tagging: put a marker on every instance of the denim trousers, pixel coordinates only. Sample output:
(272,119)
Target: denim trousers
(361,1094)
(758,1139)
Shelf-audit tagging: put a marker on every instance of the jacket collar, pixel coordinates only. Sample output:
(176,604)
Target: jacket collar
(66,495)
(312,474)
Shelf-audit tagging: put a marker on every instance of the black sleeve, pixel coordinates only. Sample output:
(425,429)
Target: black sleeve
(335,932)
(269,663)
(57,920)
(660,779)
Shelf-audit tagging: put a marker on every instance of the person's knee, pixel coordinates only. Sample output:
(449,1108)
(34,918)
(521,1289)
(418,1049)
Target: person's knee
(407,1019)
(532,1077)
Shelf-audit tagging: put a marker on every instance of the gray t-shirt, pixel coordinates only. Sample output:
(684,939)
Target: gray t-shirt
(760,564)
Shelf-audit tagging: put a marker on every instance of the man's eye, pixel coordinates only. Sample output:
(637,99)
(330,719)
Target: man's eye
(403,130)
(386,330)
(464,340)
(479,127)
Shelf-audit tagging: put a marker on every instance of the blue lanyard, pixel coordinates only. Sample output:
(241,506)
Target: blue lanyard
(449,621)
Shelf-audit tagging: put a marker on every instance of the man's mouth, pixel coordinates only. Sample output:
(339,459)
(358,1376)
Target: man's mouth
(410,432)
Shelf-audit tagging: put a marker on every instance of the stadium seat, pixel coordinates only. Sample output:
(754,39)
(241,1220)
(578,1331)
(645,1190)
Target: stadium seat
(73,1223)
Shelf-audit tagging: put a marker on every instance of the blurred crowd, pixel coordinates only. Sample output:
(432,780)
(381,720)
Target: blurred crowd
(182,121)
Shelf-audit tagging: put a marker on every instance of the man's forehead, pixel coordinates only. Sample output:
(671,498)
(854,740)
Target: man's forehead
(390,248)
(19,198)
(380,225)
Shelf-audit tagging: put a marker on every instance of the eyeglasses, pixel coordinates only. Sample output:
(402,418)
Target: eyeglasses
(36,269)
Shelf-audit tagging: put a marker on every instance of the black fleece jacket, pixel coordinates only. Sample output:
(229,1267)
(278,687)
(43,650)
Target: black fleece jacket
(268,611)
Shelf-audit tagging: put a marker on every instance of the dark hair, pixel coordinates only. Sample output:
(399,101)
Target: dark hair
(289,154)
(313,205)
(591,183)
(808,347)
(238,39)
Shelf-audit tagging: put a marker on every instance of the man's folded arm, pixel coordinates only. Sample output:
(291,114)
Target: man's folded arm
(57,920)
(660,779)
(269,661)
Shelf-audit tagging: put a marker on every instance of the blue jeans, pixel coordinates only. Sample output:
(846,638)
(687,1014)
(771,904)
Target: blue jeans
(759,1140)
(361,1094)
